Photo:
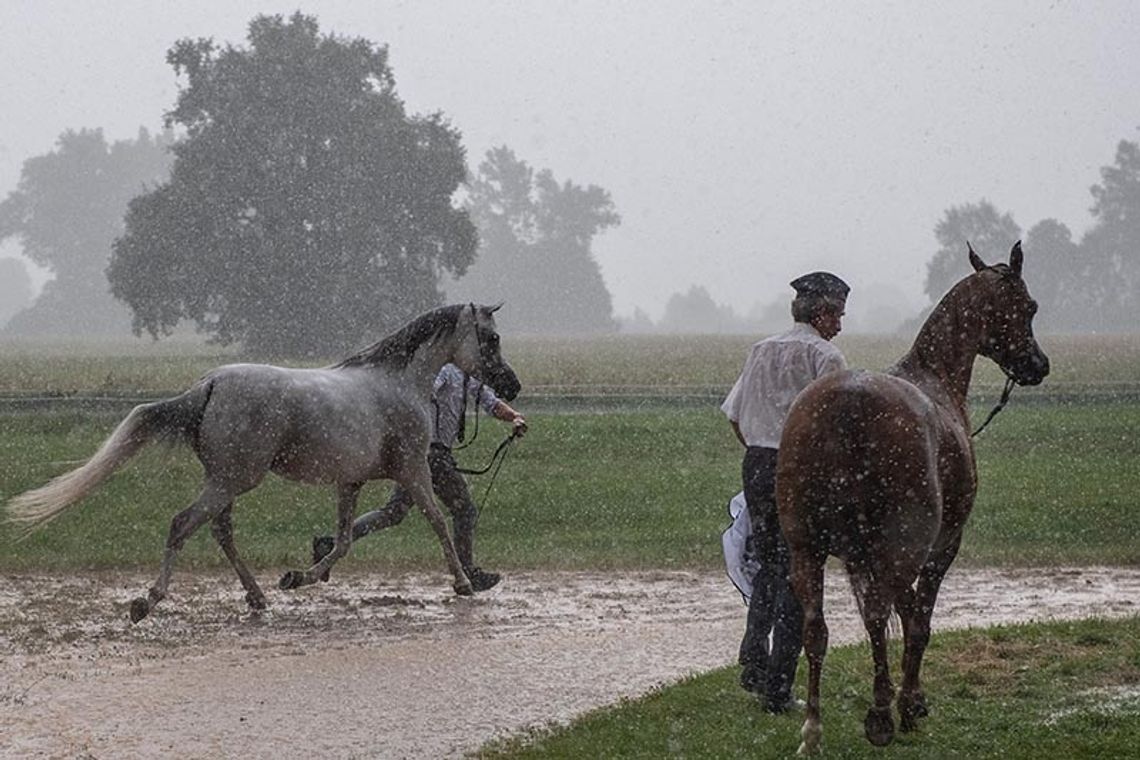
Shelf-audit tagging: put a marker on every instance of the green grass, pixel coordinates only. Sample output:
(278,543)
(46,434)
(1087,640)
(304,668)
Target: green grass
(1061,690)
(631,490)
(712,361)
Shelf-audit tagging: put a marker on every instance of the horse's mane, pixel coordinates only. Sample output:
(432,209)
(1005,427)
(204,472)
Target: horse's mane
(397,349)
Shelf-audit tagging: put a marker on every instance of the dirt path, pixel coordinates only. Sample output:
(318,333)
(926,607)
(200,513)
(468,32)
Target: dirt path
(381,668)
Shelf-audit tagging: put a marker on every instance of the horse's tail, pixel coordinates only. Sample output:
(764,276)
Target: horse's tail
(175,420)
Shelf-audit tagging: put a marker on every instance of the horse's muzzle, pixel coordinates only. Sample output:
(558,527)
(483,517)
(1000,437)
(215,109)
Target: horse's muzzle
(1030,369)
(504,382)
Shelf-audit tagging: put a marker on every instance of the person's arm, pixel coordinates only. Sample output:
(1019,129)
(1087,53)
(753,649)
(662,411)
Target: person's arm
(739,435)
(503,411)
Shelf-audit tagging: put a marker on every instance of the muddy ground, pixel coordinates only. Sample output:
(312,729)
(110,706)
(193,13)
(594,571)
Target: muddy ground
(374,667)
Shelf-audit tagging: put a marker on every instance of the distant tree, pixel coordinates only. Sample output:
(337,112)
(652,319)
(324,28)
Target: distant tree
(696,312)
(15,287)
(1113,244)
(65,213)
(535,254)
(992,234)
(306,212)
(637,323)
(1059,275)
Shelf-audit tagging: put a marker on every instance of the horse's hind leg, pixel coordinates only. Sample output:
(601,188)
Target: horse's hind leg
(347,494)
(879,725)
(223,530)
(807,582)
(208,505)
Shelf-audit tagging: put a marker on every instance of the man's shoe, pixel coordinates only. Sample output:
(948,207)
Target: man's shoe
(480,580)
(752,678)
(781,706)
(322,546)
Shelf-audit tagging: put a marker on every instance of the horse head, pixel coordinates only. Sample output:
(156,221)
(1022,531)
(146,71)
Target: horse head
(479,354)
(1006,310)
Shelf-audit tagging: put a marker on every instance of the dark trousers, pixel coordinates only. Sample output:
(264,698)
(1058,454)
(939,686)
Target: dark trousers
(450,487)
(773,608)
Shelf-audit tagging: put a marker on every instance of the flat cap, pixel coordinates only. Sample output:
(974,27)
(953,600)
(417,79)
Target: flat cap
(821,284)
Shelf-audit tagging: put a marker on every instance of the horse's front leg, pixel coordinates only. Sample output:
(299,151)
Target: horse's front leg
(912,700)
(418,486)
(347,494)
(223,530)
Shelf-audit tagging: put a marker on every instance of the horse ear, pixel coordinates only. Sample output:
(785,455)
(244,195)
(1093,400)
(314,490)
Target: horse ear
(975,260)
(493,309)
(1016,258)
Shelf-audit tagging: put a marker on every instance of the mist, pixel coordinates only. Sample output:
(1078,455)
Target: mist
(741,146)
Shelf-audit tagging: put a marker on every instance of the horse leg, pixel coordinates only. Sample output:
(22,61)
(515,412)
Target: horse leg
(912,700)
(879,725)
(208,505)
(223,530)
(346,508)
(807,582)
(418,486)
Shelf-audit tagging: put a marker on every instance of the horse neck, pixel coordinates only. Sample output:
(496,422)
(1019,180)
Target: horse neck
(943,353)
(427,360)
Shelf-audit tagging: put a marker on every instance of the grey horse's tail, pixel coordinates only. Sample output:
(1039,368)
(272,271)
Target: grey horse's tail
(175,420)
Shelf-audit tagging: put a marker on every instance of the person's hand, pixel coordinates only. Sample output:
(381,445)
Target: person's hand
(520,426)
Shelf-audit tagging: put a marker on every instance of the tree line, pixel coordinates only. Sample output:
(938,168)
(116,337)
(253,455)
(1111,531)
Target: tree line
(294,207)
(1085,285)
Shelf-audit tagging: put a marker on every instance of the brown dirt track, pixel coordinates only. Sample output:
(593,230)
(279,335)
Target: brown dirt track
(370,667)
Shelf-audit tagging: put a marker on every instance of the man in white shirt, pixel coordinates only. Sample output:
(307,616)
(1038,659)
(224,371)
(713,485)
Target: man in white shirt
(776,370)
(450,392)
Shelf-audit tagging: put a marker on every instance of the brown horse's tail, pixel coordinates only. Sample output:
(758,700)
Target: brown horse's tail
(175,420)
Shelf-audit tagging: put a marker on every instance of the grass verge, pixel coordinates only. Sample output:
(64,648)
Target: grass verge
(1059,690)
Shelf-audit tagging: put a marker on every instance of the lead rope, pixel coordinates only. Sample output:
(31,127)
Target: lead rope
(1009,383)
(497,460)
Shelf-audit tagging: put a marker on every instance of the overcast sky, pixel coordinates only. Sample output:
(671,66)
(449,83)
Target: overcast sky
(743,143)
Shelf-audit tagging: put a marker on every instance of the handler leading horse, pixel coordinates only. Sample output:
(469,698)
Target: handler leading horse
(362,419)
(878,470)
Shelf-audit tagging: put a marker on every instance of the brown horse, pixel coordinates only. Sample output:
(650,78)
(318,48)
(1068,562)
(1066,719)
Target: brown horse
(878,470)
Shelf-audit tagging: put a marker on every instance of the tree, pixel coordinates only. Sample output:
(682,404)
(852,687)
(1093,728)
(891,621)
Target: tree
(992,235)
(696,312)
(1113,244)
(1059,276)
(66,212)
(15,287)
(306,211)
(536,236)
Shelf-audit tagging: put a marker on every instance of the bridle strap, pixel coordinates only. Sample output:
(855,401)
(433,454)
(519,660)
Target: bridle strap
(1009,383)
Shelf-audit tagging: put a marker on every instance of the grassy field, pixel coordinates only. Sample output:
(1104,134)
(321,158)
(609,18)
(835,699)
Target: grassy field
(1062,690)
(635,489)
(1080,363)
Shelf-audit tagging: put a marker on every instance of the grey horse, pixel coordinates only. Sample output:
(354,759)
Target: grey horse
(361,419)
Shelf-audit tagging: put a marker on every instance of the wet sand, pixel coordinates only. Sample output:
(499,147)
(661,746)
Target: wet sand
(373,667)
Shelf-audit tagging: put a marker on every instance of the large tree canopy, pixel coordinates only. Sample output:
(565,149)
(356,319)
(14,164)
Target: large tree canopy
(536,236)
(306,211)
(992,234)
(65,213)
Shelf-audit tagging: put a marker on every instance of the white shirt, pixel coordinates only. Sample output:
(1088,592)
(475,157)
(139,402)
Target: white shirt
(448,402)
(777,369)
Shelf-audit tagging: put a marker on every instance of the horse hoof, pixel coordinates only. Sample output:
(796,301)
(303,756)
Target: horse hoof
(140,608)
(910,710)
(256,601)
(291,579)
(879,727)
(464,589)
